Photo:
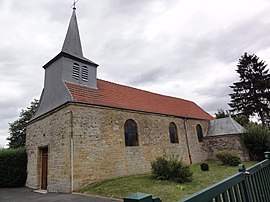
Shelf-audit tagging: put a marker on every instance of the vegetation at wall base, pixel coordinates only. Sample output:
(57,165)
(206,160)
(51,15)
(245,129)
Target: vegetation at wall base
(257,140)
(228,158)
(171,169)
(13,167)
(168,191)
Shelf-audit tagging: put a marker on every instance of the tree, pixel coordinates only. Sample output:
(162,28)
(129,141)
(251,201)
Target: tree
(257,140)
(17,129)
(241,119)
(222,114)
(251,95)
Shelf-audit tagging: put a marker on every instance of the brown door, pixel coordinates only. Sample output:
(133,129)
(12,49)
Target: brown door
(44,168)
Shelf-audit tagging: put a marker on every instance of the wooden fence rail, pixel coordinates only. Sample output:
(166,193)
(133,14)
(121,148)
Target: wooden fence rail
(251,185)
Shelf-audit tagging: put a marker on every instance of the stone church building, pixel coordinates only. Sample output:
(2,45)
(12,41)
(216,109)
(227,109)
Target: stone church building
(87,130)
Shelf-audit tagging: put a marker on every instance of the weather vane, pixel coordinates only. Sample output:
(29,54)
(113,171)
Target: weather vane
(74,4)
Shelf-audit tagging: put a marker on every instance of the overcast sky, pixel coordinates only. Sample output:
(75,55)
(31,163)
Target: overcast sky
(183,48)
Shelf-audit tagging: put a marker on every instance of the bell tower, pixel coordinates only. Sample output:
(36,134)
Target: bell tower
(75,67)
(68,66)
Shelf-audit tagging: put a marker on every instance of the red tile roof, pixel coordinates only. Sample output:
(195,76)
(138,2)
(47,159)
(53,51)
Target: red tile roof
(115,95)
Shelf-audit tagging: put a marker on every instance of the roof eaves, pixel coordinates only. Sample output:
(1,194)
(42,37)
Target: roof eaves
(142,111)
(64,54)
(48,113)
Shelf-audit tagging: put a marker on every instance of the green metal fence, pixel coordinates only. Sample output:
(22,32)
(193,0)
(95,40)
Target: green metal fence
(251,185)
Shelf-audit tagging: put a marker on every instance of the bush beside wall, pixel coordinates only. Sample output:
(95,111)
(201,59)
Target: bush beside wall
(171,169)
(13,164)
(228,158)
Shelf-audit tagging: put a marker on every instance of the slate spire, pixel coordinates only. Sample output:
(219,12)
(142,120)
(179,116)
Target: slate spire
(72,44)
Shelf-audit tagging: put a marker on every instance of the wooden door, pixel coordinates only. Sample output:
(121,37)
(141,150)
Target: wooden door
(44,168)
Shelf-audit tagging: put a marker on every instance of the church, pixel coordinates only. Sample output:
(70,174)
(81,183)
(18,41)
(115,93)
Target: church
(86,130)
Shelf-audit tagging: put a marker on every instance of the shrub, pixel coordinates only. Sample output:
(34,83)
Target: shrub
(204,167)
(228,158)
(13,167)
(171,169)
(257,140)
(159,168)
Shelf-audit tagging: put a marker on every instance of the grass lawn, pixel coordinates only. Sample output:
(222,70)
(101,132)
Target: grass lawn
(168,191)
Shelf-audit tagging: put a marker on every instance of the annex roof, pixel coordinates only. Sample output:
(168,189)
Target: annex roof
(120,96)
(224,126)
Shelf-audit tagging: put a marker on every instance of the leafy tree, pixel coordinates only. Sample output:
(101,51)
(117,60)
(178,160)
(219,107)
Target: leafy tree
(222,114)
(17,129)
(241,119)
(257,140)
(251,95)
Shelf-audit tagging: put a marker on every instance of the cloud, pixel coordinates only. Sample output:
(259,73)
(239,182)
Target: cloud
(186,49)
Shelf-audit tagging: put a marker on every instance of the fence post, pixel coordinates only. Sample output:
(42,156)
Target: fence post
(266,174)
(267,155)
(241,168)
(244,186)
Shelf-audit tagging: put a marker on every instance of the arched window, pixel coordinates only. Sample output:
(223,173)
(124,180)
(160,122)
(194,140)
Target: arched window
(76,71)
(173,133)
(84,73)
(131,134)
(199,133)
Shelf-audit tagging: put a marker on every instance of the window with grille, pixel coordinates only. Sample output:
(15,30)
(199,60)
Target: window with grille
(76,71)
(84,73)
(173,133)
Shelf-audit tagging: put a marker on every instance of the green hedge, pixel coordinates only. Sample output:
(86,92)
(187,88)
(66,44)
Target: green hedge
(228,158)
(13,163)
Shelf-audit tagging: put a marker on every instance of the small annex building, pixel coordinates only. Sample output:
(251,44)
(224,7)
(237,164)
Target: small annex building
(87,130)
(224,134)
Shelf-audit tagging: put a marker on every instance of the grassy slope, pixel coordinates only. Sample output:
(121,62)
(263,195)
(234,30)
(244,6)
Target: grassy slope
(166,190)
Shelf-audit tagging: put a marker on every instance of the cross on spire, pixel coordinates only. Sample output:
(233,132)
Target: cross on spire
(74,4)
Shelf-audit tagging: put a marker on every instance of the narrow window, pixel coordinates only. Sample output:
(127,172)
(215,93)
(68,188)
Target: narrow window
(199,133)
(131,134)
(84,73)
(76,71)
(173,133)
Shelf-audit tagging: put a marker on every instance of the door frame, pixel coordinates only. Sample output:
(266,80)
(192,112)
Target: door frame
(43,168)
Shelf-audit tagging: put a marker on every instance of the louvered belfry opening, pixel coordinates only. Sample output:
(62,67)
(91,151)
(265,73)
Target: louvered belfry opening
(76,71)
(84,73)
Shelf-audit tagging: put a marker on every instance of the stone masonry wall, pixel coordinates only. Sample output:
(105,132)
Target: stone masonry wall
(232,143)
(199,150)
(99,145)
(53,132)
(86,144)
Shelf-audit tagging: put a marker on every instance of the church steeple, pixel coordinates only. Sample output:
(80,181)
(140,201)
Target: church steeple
(69,66)
(72,44)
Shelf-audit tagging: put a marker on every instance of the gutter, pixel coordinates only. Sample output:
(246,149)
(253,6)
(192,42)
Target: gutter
(185,127)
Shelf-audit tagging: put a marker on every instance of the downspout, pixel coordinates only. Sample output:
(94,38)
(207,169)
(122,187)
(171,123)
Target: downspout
(71,151)
(185,127)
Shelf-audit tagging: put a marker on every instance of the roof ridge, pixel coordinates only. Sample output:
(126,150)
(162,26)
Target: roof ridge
(235,124)
(147,91)
(125,97)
